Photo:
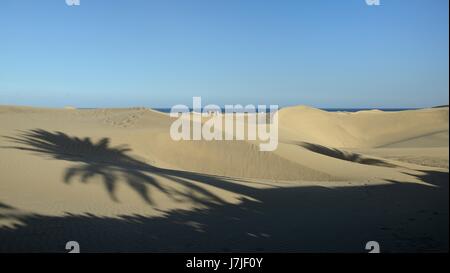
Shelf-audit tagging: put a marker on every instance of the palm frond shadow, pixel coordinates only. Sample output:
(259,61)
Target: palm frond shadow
(403,217)
(114,165)
(408,217)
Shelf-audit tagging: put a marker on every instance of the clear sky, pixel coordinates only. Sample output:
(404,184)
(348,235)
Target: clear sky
(323,53)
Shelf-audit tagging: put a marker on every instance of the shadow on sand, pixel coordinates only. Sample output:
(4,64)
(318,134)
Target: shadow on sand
(344,155)
(402,217)
(114,166)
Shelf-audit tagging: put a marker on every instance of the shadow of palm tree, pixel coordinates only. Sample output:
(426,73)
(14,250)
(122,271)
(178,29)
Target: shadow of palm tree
(114,165)
(406,216)
(403,217)
(343,155)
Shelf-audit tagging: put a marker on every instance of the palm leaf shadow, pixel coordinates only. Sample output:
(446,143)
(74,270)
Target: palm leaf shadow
(114,165)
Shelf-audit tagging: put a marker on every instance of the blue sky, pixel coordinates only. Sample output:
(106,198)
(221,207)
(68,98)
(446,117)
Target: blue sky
(323,53)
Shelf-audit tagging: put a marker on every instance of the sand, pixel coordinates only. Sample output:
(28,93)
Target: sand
(114,180)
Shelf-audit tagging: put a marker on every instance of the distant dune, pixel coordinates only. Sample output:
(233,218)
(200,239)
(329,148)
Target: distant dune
(372,128)
(116,162)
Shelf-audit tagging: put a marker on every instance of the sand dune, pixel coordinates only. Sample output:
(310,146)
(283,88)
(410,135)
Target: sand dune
(115,163)
(365,128)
